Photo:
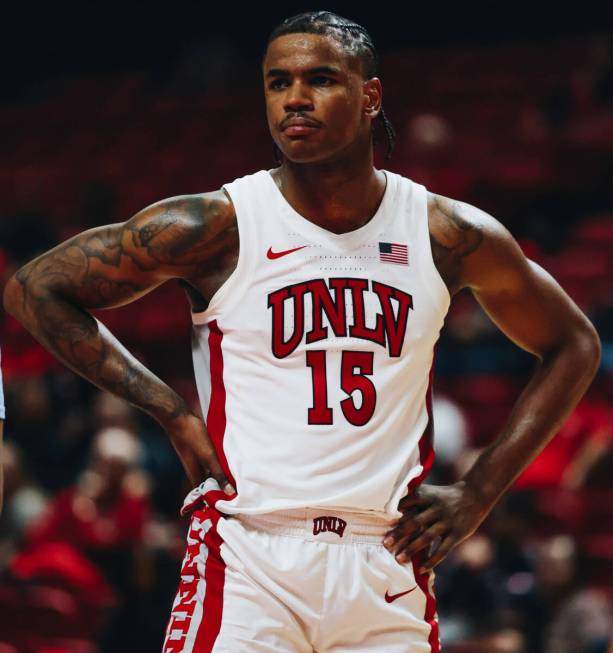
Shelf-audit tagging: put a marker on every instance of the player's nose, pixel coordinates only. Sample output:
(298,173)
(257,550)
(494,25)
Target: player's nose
(298,97)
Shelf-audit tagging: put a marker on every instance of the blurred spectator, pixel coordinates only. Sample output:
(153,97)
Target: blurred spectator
(429,148)
(582,625)
(506,640)
(566,461)
(557,591)
(98,523)
(104,514)
(111,411)
(24,502)
(450,437)
(51,425)
(20,502)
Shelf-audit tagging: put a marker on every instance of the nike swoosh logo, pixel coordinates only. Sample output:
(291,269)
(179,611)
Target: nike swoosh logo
(272,255)
(392,597)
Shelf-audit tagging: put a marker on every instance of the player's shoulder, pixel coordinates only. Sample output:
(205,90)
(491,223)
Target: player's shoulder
(453,221)
(196,207)
(182,230)
(195,218)
(216,205)
(461,226)
(468,242)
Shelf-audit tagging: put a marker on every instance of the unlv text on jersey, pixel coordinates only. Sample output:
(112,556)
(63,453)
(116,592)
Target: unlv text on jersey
(389,329)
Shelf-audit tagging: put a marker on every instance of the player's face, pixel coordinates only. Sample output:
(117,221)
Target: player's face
(317,102)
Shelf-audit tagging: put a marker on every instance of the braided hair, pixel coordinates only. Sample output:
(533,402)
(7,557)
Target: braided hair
(356,41)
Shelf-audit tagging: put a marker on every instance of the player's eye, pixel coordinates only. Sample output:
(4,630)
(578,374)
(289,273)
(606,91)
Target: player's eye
(277,83)
(322,81)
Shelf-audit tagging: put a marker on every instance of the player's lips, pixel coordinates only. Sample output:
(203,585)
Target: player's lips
(299,126)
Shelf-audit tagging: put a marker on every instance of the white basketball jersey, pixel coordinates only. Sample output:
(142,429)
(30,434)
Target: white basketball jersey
(313,359)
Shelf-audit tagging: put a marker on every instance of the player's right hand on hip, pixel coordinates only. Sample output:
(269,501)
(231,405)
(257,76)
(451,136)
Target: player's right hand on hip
(191,441)
(435,518)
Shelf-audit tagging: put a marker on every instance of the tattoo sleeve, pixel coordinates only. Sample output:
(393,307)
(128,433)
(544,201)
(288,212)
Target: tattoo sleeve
(110,266)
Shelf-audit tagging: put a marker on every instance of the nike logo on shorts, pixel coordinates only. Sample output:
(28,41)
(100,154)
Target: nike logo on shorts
(392,597)
(272,255)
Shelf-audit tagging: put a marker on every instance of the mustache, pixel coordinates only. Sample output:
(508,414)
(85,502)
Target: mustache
(307,120)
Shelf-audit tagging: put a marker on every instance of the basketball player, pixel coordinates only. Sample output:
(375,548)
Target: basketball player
(318,290)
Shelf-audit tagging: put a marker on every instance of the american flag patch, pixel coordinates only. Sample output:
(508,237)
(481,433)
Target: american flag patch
(394,253)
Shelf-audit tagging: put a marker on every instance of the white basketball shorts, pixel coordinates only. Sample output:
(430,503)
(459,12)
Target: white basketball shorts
(297,581)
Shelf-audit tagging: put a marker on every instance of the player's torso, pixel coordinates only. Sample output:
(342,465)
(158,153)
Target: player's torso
(224,264)
(313,357)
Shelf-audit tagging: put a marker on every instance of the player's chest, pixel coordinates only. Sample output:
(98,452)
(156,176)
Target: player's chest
(352,305)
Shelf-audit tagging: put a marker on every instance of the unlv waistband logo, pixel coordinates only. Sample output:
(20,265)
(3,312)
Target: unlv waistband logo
(326,524)
(389,329)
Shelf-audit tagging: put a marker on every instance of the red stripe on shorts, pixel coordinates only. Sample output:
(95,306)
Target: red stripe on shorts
(430,614)
(214,576)
(193,628)
(184,611)
(216,415)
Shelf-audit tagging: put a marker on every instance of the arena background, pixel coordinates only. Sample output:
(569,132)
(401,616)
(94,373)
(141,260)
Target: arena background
(107,108)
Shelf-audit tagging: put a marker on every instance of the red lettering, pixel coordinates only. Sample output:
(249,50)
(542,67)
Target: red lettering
(395,327)
(359,328)
(327,524)
(276,301)
(350,381)
(319,412)
(334,309)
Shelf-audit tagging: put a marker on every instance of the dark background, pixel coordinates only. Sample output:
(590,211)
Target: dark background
(45,41)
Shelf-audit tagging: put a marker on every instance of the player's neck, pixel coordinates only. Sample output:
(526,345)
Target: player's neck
(338,197)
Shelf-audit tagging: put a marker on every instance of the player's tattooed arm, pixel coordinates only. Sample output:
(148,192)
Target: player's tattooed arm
(453,237)
(112,265)
(527,304)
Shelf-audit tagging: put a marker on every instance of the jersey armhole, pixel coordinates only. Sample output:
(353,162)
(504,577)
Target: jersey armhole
(228,294)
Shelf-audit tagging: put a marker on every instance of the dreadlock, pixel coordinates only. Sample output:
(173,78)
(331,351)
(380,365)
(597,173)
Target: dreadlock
(356,41)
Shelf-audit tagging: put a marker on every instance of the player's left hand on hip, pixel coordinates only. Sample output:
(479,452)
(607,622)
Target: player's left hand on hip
(191,440)
(435,518)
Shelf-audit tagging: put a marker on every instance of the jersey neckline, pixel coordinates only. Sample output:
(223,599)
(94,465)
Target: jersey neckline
(315,231)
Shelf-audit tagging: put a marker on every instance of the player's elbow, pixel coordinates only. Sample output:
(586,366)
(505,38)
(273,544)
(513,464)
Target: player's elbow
(577,349)
(587,348)
(11,296)
(595,348)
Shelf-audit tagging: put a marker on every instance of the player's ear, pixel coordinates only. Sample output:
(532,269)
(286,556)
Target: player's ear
(372,93)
